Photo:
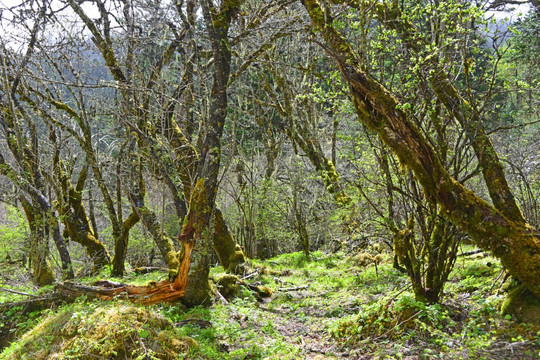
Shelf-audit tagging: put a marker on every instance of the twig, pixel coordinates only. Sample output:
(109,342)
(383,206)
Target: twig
(401,323)
(250,275)
(221,298)
(497,279)
(18,292)
(279,281)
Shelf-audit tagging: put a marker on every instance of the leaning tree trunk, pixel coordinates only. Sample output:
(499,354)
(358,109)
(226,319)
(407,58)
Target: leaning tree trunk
(492,168)
(163,242)
(301,135)
(516,243)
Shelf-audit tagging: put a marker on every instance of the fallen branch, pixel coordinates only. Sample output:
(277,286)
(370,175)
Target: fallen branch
(148,269)
(469,253)
(294,288)
(146,295)
(250,275)
(18,292)
(28,306)
(222,298)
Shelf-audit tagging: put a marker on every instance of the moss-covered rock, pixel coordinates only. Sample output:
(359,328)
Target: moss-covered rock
(104,331)
(523,305)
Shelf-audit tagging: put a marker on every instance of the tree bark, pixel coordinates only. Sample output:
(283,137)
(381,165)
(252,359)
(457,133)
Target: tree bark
(121,241)
(42,271)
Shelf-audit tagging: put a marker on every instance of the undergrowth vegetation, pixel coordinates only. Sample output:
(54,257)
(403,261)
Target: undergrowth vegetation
(328,306)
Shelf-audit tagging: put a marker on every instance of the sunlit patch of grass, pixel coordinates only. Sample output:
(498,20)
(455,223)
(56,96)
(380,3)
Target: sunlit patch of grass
(115,330)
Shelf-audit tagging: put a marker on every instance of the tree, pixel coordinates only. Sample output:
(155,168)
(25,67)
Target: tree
(22,132)
(499,228)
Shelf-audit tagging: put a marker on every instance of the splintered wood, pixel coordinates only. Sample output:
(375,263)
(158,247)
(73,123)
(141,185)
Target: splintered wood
(155,293)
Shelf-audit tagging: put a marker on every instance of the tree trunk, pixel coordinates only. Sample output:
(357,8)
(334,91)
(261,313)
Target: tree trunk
(230,254)
(310,145)
(121,241)
(492,168)
(163,242)
(42,270)
(195,232)
(73,212)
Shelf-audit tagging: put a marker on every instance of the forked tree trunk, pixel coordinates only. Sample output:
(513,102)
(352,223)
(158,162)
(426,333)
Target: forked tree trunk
(121,240)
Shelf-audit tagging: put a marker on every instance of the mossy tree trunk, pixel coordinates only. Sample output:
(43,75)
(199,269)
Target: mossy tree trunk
(300,222)
(198,227)
(229,252)
(516,243)
(189,164)
(150,221)
(42,270)
(121,242)
(39,212)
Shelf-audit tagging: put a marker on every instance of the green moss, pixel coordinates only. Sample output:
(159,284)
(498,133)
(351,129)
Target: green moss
(228,285)
(44,274)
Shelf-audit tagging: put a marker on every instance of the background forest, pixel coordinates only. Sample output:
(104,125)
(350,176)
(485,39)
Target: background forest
(249,146)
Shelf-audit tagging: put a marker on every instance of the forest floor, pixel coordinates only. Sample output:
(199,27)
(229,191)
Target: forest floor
(327,307)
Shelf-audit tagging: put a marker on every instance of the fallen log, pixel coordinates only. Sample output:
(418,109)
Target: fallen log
(148,269)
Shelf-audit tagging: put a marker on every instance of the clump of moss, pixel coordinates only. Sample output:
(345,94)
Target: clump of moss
(264,291)
(92,330)
(228,285)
